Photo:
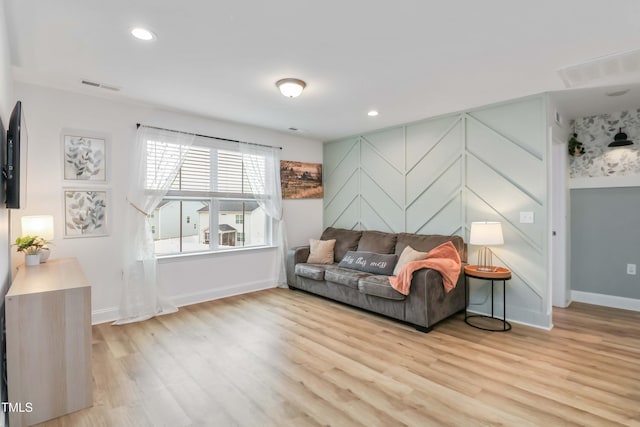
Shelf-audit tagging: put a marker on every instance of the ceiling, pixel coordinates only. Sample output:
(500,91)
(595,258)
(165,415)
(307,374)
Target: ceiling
(408,59)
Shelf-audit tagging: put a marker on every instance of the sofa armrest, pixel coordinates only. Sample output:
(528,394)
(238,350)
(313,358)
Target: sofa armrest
(433,303)
(295,256)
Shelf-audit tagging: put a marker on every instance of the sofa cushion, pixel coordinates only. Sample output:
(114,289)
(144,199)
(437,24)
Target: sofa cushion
(346,240)
(345,276)
(379,286)
(408,255)
(311,271)
(378,242)
(424,243)
(369,262)
(321,251)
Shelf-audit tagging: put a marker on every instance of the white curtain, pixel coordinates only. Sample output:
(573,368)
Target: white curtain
(156,159)
(262,169)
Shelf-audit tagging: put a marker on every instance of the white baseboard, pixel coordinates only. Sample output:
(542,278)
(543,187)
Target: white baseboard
(211,294)
(104,315)
(543,320)
(606,300)
(110,314)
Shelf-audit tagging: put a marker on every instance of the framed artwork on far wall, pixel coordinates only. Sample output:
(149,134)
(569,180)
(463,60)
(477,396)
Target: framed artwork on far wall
(85,212)
(84,156)
(300,180)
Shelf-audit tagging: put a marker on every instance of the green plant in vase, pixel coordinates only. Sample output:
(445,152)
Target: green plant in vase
(31,247)
(576,148)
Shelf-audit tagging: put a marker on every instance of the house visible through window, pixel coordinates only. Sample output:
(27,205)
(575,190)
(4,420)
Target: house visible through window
(210,192)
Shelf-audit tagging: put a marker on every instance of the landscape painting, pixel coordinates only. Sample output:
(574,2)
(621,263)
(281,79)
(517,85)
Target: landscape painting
(301,180)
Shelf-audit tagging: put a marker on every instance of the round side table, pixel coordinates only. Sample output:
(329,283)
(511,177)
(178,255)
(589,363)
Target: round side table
(498,274)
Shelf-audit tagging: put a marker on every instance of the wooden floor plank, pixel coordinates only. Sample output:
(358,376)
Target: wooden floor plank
(284,358)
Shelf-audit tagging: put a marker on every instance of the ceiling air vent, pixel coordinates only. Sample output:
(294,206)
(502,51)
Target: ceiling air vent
(88,83)
(113,88)
(100,85)
(623,65)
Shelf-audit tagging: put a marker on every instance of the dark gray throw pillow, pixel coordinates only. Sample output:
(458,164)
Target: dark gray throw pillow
(370,262)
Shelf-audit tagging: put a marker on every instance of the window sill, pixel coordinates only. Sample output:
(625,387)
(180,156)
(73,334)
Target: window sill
(207,254)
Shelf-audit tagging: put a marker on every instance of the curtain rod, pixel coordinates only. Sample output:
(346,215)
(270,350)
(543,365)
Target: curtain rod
(206,136)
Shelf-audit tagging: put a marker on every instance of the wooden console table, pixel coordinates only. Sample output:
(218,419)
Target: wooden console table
(48,327)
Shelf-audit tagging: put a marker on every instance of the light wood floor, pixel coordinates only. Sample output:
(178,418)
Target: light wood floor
(285,358)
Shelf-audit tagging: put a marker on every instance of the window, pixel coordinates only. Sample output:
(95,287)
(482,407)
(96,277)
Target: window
(210,192)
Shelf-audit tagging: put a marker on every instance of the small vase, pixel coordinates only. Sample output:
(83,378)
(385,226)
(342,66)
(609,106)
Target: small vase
(44,255)
(32,259)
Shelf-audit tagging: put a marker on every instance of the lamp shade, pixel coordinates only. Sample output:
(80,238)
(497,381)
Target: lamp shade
(486,234)
(38,225)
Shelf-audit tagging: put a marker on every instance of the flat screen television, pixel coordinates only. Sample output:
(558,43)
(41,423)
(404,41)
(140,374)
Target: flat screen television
(3,161)
(11,165)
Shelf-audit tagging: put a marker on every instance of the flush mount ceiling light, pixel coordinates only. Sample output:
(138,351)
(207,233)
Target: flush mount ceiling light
(291,88)
(142,34)
(372,113)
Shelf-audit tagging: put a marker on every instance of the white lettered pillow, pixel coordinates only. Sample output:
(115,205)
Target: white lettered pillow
(408,255)
(321,251)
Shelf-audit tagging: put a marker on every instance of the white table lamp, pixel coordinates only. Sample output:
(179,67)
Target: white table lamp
(38,225)
(486,234)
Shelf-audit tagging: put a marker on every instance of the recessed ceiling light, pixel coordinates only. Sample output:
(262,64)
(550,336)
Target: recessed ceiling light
(618,93)
(372,113)
(142,34)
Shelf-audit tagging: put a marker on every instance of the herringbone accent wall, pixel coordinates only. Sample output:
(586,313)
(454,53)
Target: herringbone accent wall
(439,175)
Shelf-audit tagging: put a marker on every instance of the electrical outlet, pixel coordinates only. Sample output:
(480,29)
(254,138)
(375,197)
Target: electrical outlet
(526,217)
(631,269)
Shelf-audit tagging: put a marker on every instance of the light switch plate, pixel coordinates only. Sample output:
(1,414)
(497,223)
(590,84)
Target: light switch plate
(631,269)
(526,217)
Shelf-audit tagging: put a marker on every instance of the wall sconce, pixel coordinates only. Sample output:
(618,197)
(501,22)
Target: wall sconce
(291,88)
(484,234)
(620,140)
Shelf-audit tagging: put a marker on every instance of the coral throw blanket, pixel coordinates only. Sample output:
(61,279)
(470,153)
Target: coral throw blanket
(444,259)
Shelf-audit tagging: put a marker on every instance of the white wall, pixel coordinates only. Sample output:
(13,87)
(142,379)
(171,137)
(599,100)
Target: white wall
(560,129)
(187,279)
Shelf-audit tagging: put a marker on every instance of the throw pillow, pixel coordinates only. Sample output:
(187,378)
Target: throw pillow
(321,251)
(408,255)
(346,240)
(369,262)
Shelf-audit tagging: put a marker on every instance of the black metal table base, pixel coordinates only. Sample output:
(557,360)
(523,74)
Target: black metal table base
(506,326)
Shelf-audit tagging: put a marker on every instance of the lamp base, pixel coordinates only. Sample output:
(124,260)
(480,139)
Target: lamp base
(485,260)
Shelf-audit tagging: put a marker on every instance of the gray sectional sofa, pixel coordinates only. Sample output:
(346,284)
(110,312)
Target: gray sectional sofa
(427,302)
